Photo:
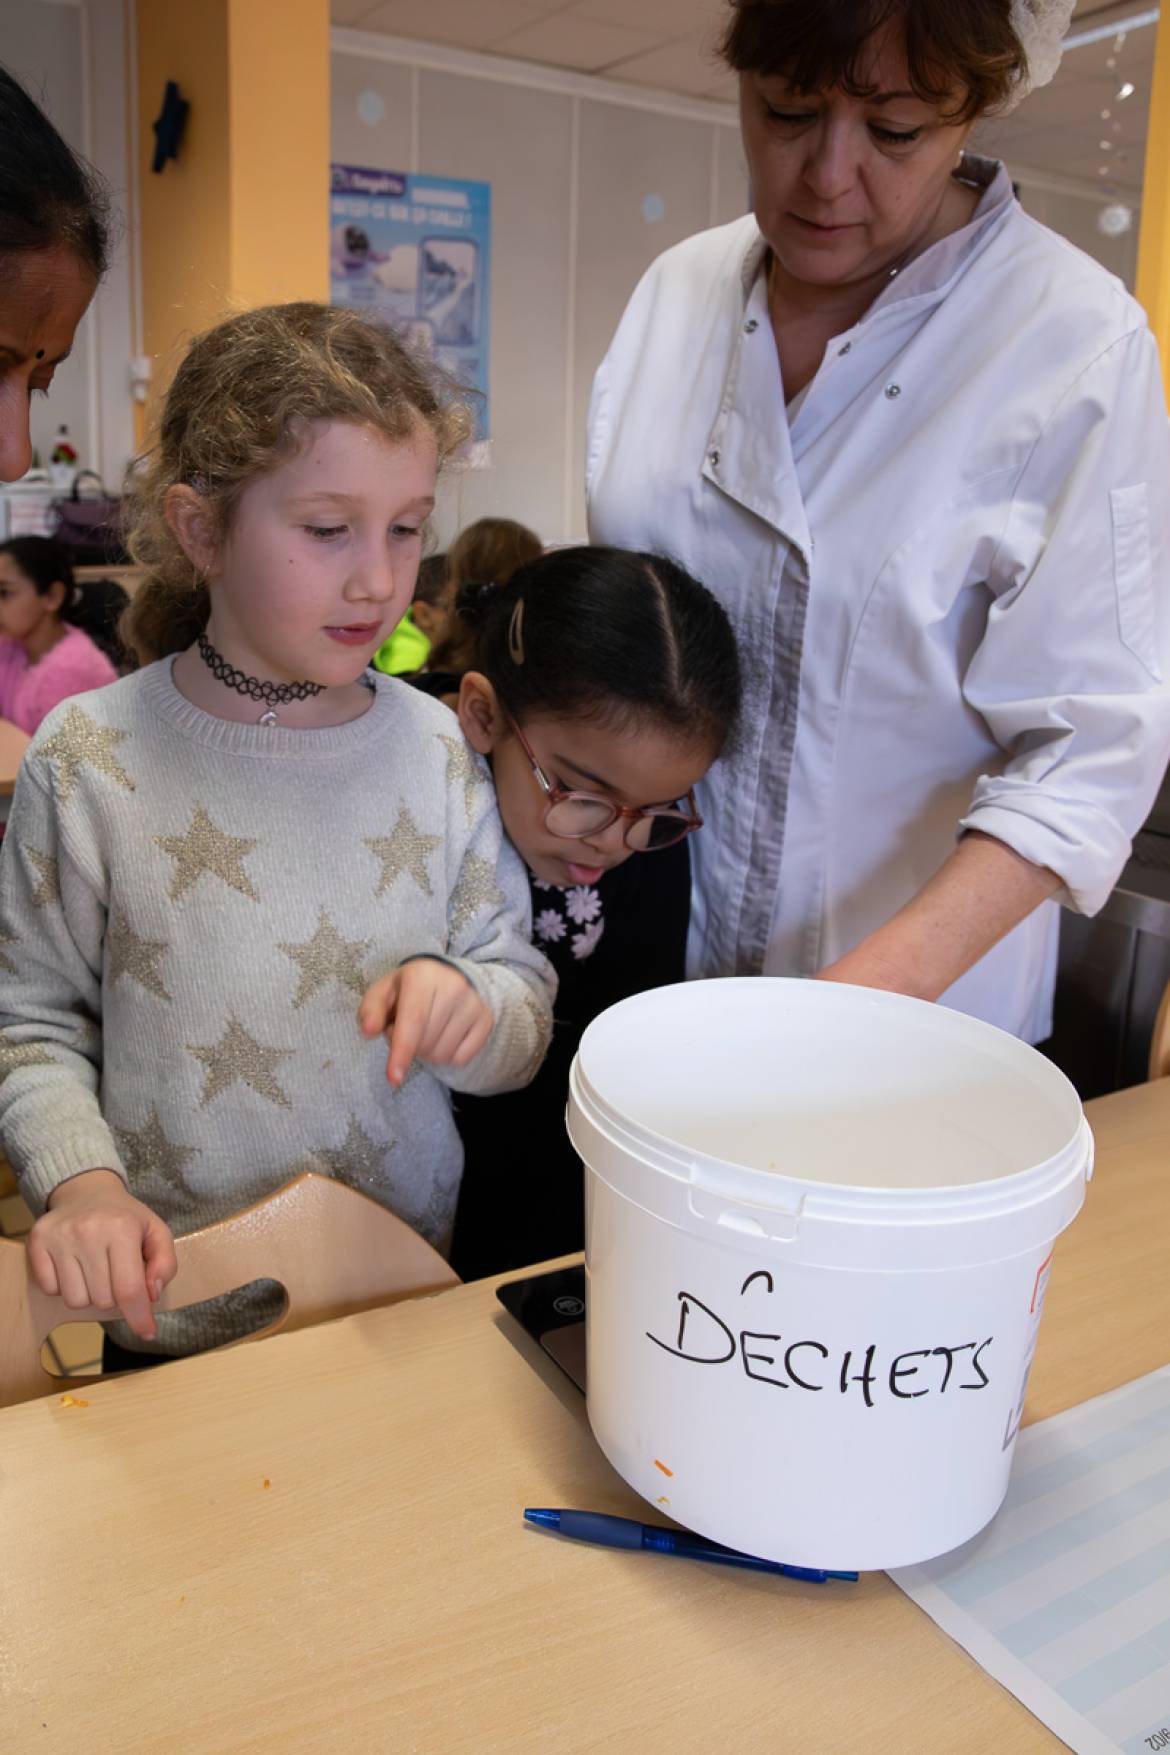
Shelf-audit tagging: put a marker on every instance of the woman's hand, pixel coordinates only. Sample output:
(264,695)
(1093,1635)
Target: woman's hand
(426,1008)
(97,1245)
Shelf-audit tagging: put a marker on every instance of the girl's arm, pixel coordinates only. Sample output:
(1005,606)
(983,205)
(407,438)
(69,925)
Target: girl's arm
(93,1242)
(489,926)
(52,928)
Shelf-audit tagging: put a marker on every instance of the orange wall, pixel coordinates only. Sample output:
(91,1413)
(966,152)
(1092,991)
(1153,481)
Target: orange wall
(1153,276)
(242,216)
(279,56)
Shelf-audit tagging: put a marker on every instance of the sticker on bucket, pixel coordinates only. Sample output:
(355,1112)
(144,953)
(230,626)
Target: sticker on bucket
(1034,1310)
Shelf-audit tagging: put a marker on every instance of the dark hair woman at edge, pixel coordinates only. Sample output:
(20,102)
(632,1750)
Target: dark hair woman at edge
(54,242)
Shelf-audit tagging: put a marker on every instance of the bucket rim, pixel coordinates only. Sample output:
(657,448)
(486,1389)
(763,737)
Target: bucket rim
(777,1190)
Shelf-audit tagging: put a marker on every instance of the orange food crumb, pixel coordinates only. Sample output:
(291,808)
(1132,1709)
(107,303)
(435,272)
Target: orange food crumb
(267,1482)
(74,1401)
(663,1467)
(662,1499)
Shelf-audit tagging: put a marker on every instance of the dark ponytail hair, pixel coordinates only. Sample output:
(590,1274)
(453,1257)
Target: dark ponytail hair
(610,635)
(48,196)
(92,608)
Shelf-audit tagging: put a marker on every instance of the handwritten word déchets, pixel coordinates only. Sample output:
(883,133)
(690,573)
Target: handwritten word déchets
(703,1338)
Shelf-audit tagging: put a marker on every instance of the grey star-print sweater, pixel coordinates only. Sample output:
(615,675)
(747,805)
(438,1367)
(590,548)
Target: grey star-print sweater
(190,911)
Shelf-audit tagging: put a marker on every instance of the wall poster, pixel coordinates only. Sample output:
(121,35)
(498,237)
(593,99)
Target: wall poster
(416,251)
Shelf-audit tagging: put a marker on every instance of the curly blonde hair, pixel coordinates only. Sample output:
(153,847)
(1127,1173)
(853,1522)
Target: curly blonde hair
(238,407)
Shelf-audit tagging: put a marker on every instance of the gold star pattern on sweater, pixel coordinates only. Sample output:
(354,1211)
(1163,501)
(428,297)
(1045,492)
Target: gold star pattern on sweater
(327,957)
(463,764)
(205,848)
(6,963)
(406,849)
(127,954)
(359,1160)
(14,1055)
(148,1152)
(475,890)
(81,741)
(434,1218)
(49,888)
(239,1057)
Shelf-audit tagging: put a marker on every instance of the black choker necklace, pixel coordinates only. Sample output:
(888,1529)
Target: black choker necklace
(272,694)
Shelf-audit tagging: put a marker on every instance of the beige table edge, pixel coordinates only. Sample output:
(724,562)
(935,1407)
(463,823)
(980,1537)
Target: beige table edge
(315,1543)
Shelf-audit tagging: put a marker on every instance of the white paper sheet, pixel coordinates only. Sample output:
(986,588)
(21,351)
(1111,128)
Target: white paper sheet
(1065,1597)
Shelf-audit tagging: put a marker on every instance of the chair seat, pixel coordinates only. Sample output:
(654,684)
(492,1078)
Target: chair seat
(333,1250)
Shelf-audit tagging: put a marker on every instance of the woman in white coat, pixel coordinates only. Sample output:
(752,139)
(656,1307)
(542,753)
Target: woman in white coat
(918,445)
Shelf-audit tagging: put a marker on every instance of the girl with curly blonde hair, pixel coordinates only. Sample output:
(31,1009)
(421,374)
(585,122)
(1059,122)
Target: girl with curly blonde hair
(228,874)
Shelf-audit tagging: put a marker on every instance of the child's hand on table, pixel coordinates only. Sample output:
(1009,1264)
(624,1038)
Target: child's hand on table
(428,1009)
(97,1245)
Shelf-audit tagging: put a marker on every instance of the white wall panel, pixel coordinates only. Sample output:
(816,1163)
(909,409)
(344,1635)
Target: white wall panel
(372,113)
(518,141)
(1075,218)
(585,193)
(644,184)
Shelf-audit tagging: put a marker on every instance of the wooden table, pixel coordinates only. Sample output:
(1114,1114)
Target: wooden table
(13,743)
(129,578)
(314,1543)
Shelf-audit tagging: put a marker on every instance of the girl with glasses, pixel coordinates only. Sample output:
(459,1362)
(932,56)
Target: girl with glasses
(604,685)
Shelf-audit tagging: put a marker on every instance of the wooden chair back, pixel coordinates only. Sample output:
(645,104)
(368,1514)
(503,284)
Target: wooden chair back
(1160,1040)
(333,1250)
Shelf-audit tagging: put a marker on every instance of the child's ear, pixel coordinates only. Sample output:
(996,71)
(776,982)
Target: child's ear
(192,525)
(424,617)
(479,713)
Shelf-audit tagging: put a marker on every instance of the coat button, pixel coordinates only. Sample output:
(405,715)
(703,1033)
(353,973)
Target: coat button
(842,351)
(752,324)
(893,390)
(713,456)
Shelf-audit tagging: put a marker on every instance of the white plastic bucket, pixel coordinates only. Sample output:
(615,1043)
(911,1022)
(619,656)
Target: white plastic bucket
(818,1226)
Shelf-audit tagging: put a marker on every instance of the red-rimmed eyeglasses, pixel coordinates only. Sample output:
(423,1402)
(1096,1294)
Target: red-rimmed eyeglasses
(574,816)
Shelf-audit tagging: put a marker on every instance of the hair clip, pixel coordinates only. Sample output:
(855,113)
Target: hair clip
(516,633)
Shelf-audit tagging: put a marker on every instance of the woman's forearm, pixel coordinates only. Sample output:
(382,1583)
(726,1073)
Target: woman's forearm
(972,901)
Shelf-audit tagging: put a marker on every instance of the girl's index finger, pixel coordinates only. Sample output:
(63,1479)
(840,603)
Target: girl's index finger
(411,1022)
(377,1009)
(127,1272)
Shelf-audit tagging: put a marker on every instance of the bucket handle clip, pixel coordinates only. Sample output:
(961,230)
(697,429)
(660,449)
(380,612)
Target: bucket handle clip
(779,1224)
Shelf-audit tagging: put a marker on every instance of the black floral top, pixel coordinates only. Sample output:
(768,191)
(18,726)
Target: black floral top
(521,1196)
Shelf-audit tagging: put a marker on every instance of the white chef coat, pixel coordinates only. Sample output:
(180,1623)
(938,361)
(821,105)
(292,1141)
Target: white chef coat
(950,578)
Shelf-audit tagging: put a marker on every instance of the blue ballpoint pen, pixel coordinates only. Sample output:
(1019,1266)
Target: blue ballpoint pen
(623,1532)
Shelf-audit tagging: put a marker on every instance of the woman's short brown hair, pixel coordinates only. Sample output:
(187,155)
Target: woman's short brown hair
(963,55)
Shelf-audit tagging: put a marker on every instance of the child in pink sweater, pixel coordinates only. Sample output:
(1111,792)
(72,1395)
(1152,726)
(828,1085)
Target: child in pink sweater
(44,655)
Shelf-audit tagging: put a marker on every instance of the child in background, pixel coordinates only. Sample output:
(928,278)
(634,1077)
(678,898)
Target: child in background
(425,621)
(486,553)
(604,686)
(215,863)
(46,654)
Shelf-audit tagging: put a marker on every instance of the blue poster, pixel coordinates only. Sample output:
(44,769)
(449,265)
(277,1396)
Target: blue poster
(416,251)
